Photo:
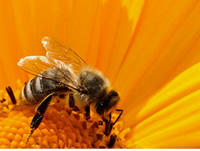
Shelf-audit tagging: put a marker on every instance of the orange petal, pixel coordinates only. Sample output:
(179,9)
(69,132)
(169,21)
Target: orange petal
(171,117)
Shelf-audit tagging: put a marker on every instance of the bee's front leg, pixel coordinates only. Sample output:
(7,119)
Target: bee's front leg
(112,141)
(41,109)
(109,124)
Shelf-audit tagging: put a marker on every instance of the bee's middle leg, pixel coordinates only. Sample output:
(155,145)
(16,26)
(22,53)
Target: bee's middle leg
(72,103)
(75,108)
(87,112)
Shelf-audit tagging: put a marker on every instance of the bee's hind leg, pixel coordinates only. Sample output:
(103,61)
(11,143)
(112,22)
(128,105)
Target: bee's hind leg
(41,109)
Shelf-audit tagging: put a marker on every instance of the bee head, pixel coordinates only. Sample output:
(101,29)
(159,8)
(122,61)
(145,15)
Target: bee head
(104,105)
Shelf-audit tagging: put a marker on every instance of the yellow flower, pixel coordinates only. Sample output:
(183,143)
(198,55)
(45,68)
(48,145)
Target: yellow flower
(149,49)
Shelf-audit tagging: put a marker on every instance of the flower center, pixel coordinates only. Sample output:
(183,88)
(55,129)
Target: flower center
(60,128)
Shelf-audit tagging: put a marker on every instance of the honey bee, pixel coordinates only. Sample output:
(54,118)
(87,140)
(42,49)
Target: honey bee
(63,73)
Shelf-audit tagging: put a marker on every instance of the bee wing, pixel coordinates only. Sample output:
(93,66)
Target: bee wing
(35,65)
(59,51)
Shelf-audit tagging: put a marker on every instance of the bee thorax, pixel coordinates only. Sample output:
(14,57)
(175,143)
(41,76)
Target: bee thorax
(94,84)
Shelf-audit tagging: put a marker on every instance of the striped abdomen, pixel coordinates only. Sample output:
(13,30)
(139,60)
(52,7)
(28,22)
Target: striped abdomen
(38,88)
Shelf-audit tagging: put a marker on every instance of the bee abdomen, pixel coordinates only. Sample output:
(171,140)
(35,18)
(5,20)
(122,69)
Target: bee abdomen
(38,88)
(32,92)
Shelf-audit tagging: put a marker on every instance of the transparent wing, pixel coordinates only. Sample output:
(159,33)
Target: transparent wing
(38,65)
(59,51)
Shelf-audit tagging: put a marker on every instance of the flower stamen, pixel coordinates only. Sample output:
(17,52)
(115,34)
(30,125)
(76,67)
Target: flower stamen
(61,127)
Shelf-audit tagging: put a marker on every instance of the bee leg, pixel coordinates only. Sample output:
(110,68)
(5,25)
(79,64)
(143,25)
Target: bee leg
(87,112)
(11,94)
(75,108)
(109,124)
(121,111)
(37,119)
(72,103)
(112,141)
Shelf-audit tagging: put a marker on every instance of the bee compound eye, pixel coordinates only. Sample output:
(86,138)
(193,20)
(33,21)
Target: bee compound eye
(113,93)
(100,108)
